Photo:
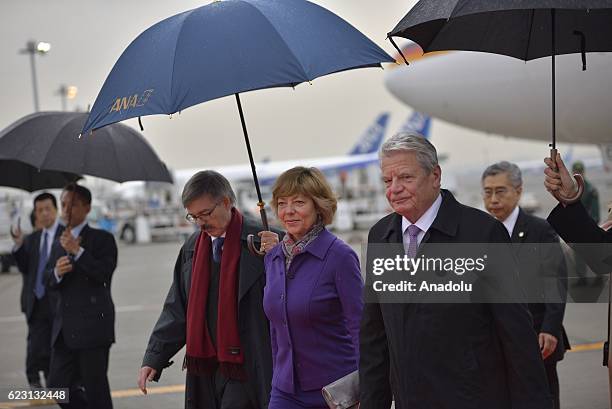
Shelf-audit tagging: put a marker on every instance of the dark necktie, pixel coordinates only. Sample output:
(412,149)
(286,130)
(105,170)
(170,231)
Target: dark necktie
(39,285)
(413,243)
(217,249)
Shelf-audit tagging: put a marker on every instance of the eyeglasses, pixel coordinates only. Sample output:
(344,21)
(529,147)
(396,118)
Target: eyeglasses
(193,218)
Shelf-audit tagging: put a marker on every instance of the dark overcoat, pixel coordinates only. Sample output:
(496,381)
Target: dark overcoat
(575,226)
(450,356)
(539,256)
(168,335)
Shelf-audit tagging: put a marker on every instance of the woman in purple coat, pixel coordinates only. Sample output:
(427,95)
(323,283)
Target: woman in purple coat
(313,294)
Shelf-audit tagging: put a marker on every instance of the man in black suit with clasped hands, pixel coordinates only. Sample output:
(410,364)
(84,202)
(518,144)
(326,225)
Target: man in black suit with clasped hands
(32,254)
(542,268)
(83,329)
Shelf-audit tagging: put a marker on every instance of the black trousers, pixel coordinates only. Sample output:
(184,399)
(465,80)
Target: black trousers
(553,381)
(38,351)
(83,371)
(217,392)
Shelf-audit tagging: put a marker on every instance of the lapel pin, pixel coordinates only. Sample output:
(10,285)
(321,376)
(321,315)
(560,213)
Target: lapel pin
(521,234)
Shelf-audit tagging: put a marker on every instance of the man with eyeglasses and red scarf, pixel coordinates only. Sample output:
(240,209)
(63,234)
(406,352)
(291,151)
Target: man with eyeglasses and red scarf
(214,306)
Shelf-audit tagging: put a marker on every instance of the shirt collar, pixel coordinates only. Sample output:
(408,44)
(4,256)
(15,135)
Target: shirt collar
(213,238)
(427,219)
(76,230)
(52,230)
(510,221)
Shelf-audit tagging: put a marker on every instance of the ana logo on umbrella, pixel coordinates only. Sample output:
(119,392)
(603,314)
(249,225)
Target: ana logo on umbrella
(133,101)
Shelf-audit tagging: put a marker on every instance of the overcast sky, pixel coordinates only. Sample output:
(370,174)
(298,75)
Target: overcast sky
(318,119)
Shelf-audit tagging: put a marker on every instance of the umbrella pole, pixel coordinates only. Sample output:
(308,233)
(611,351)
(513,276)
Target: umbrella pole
(72,185)
(553,146)
(260,204)
(554,51)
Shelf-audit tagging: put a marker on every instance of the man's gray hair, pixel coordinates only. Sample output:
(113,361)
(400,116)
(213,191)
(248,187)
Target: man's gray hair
(207,182)
(513,171)
(412,142)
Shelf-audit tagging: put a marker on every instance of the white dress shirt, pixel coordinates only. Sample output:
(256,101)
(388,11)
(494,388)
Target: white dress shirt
(50,232)
(511,220)
(424,222)
(76,230)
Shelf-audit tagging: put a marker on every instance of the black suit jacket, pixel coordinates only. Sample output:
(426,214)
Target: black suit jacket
(450,356)
(85,313)
(27,261)
(168,335)
(575,226)
(537,264)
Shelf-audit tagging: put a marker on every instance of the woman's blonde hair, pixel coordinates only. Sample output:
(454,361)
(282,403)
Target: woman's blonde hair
(309,182)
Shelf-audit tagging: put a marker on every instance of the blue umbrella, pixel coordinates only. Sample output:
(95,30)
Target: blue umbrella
(228,47)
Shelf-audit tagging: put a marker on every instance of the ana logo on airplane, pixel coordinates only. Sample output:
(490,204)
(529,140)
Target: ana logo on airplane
(370,138)
(417,121)
(131,101)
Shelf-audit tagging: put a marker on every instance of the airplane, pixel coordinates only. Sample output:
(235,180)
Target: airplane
(506,96)
(362,154)
(267,171)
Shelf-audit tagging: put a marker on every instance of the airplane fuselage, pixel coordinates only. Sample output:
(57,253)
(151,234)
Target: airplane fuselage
(506,96)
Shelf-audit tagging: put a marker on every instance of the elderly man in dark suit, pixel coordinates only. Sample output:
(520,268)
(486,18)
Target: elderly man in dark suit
(33,259)
(540,257)
(84,324)
(440,355)
(215,306)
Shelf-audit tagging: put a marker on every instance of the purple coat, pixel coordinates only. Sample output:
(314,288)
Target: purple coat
(314,317)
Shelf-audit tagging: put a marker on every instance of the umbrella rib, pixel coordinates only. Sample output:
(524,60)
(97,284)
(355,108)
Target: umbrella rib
(281,37)
(529,38)
(178,36)
(426,49)
(56,141)
(25,147)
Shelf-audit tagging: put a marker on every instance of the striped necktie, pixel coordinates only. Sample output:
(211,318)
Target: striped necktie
(413,243)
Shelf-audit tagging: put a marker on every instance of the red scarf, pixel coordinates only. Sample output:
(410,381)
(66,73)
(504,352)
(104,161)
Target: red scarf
(201,357)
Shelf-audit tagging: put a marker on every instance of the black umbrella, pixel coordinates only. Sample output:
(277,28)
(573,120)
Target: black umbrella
(523,29)
(50,141)
(14,173)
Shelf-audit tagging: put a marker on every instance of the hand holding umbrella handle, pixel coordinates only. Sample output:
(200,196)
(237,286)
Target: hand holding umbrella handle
(16,232)
(251,238)
(578,180)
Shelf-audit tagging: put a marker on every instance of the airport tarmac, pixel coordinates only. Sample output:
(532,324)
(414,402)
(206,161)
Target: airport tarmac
(139,287)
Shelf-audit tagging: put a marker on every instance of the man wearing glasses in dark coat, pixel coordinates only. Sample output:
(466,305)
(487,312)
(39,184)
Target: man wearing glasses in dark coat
(215,306)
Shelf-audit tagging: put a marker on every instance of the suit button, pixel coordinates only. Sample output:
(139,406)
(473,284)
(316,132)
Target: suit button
(72,336)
